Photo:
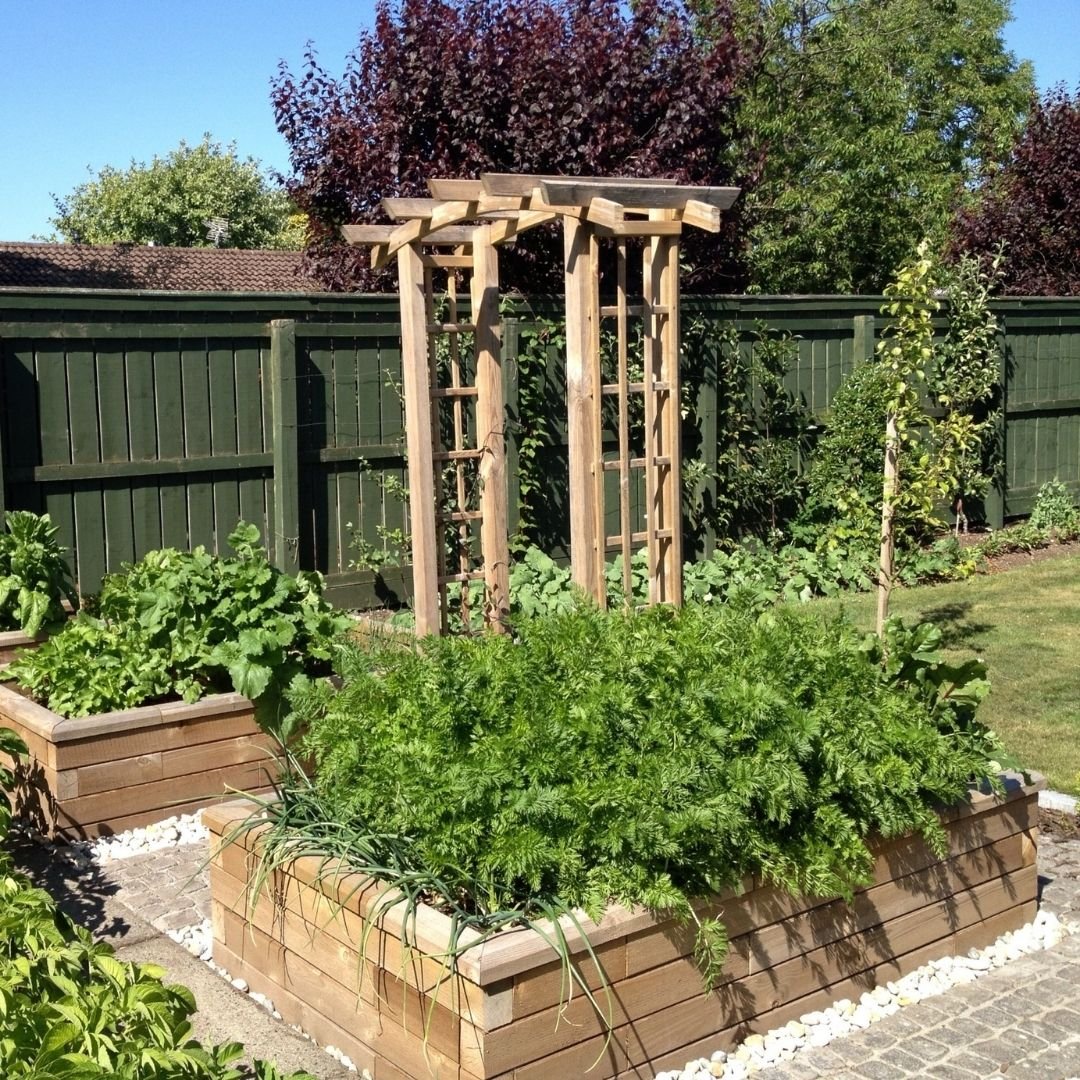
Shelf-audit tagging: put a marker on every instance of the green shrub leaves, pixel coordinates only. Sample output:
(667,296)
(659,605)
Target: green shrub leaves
(186,624)
(35,578)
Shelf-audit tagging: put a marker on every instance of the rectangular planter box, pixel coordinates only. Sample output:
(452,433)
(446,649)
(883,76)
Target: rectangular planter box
(102,774)
(501,1017)
(12,642)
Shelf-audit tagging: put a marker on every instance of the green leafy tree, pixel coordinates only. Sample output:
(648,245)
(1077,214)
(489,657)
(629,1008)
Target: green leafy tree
(195,196)
(864,124)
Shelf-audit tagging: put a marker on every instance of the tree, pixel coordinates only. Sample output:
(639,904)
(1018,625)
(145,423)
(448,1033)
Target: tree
(456,87)
(864,123)
(195,196)
(1031,206)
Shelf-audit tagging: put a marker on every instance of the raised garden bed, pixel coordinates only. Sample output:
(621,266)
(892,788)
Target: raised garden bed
(101,774)
(501,1016)
(12,642)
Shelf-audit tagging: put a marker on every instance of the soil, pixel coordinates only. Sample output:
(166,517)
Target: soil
(1059,824)
(1025,558)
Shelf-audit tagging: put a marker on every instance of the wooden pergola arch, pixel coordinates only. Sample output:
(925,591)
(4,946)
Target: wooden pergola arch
(453,424)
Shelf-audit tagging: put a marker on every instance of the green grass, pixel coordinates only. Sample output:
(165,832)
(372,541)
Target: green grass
(1025,623)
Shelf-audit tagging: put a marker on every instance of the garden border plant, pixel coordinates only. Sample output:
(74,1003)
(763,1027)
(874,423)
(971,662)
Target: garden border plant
(69,1008)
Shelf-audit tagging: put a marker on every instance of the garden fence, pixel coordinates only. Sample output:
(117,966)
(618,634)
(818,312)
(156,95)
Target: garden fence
(146,419)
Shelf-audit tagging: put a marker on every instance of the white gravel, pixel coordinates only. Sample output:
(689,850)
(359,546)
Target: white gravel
(760,1052)
(172,832)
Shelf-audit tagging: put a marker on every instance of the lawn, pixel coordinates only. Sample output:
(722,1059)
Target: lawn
(1025,623)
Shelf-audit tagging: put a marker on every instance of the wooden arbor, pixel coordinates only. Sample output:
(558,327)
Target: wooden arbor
(454,397)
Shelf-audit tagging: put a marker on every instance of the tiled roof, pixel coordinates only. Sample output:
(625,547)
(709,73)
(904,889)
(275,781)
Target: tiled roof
(130,266)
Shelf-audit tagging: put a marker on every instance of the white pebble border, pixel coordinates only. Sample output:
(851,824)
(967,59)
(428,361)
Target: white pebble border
(172,832)
(757,1053)
(760,1052)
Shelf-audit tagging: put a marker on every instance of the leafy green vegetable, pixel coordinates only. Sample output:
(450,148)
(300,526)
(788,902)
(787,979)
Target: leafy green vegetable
(186,624)
(35,578)
(651,758)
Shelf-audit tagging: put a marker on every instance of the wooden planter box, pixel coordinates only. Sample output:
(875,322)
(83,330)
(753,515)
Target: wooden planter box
(12,642)
(102,774)
(500,1017)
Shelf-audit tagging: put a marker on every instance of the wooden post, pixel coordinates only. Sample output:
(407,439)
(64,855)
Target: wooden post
(491,428)
(863,339)
(997,493)
(510,347)
(285,544)
(418,440)
(888,513)
(672,546)
(587,537)
(663,441)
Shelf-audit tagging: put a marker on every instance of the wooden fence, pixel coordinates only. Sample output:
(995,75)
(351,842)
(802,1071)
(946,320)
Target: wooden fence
(146,419)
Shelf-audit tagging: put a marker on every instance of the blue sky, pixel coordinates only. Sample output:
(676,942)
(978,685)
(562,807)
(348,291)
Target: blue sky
(86,84)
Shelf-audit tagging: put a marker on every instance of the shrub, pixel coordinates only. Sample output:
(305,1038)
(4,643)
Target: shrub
(183,624)
(646,758)
(35,578)
(1054,509)
(70,1009)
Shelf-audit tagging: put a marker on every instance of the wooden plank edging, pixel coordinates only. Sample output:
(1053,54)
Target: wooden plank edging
(514,951)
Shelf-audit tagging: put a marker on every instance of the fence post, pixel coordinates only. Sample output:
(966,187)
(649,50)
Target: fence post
(708,407)
(286,523)
(997,493)
(863,333)
(512,412)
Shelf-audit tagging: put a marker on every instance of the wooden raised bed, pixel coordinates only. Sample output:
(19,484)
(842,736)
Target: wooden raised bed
(501,1016)
(103,774)
(12,642)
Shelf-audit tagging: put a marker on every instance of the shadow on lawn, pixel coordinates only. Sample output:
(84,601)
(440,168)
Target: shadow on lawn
(958,630)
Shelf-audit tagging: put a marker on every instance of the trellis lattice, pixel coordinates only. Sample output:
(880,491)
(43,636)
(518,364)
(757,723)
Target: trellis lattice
(455,428)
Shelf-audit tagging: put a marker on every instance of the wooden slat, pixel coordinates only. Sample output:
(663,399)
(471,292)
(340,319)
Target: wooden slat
(142,434)
(196,421)
(580,192)
(446,262)
(482,205)
(454,392)
(442,188)
(701,215)
(452,327)
(88,332)
(462,577)
(641,228)
(172,495)
(226,493)
(605,212)
(116,500)
(86,447)
(526,183)
(457,455)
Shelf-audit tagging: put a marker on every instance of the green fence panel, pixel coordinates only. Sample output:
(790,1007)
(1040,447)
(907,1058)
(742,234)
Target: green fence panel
(146,419)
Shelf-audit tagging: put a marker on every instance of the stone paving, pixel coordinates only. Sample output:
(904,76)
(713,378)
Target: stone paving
(1021,1021)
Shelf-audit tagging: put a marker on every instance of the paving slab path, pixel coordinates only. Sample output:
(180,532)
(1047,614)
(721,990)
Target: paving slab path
(1020,1022)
